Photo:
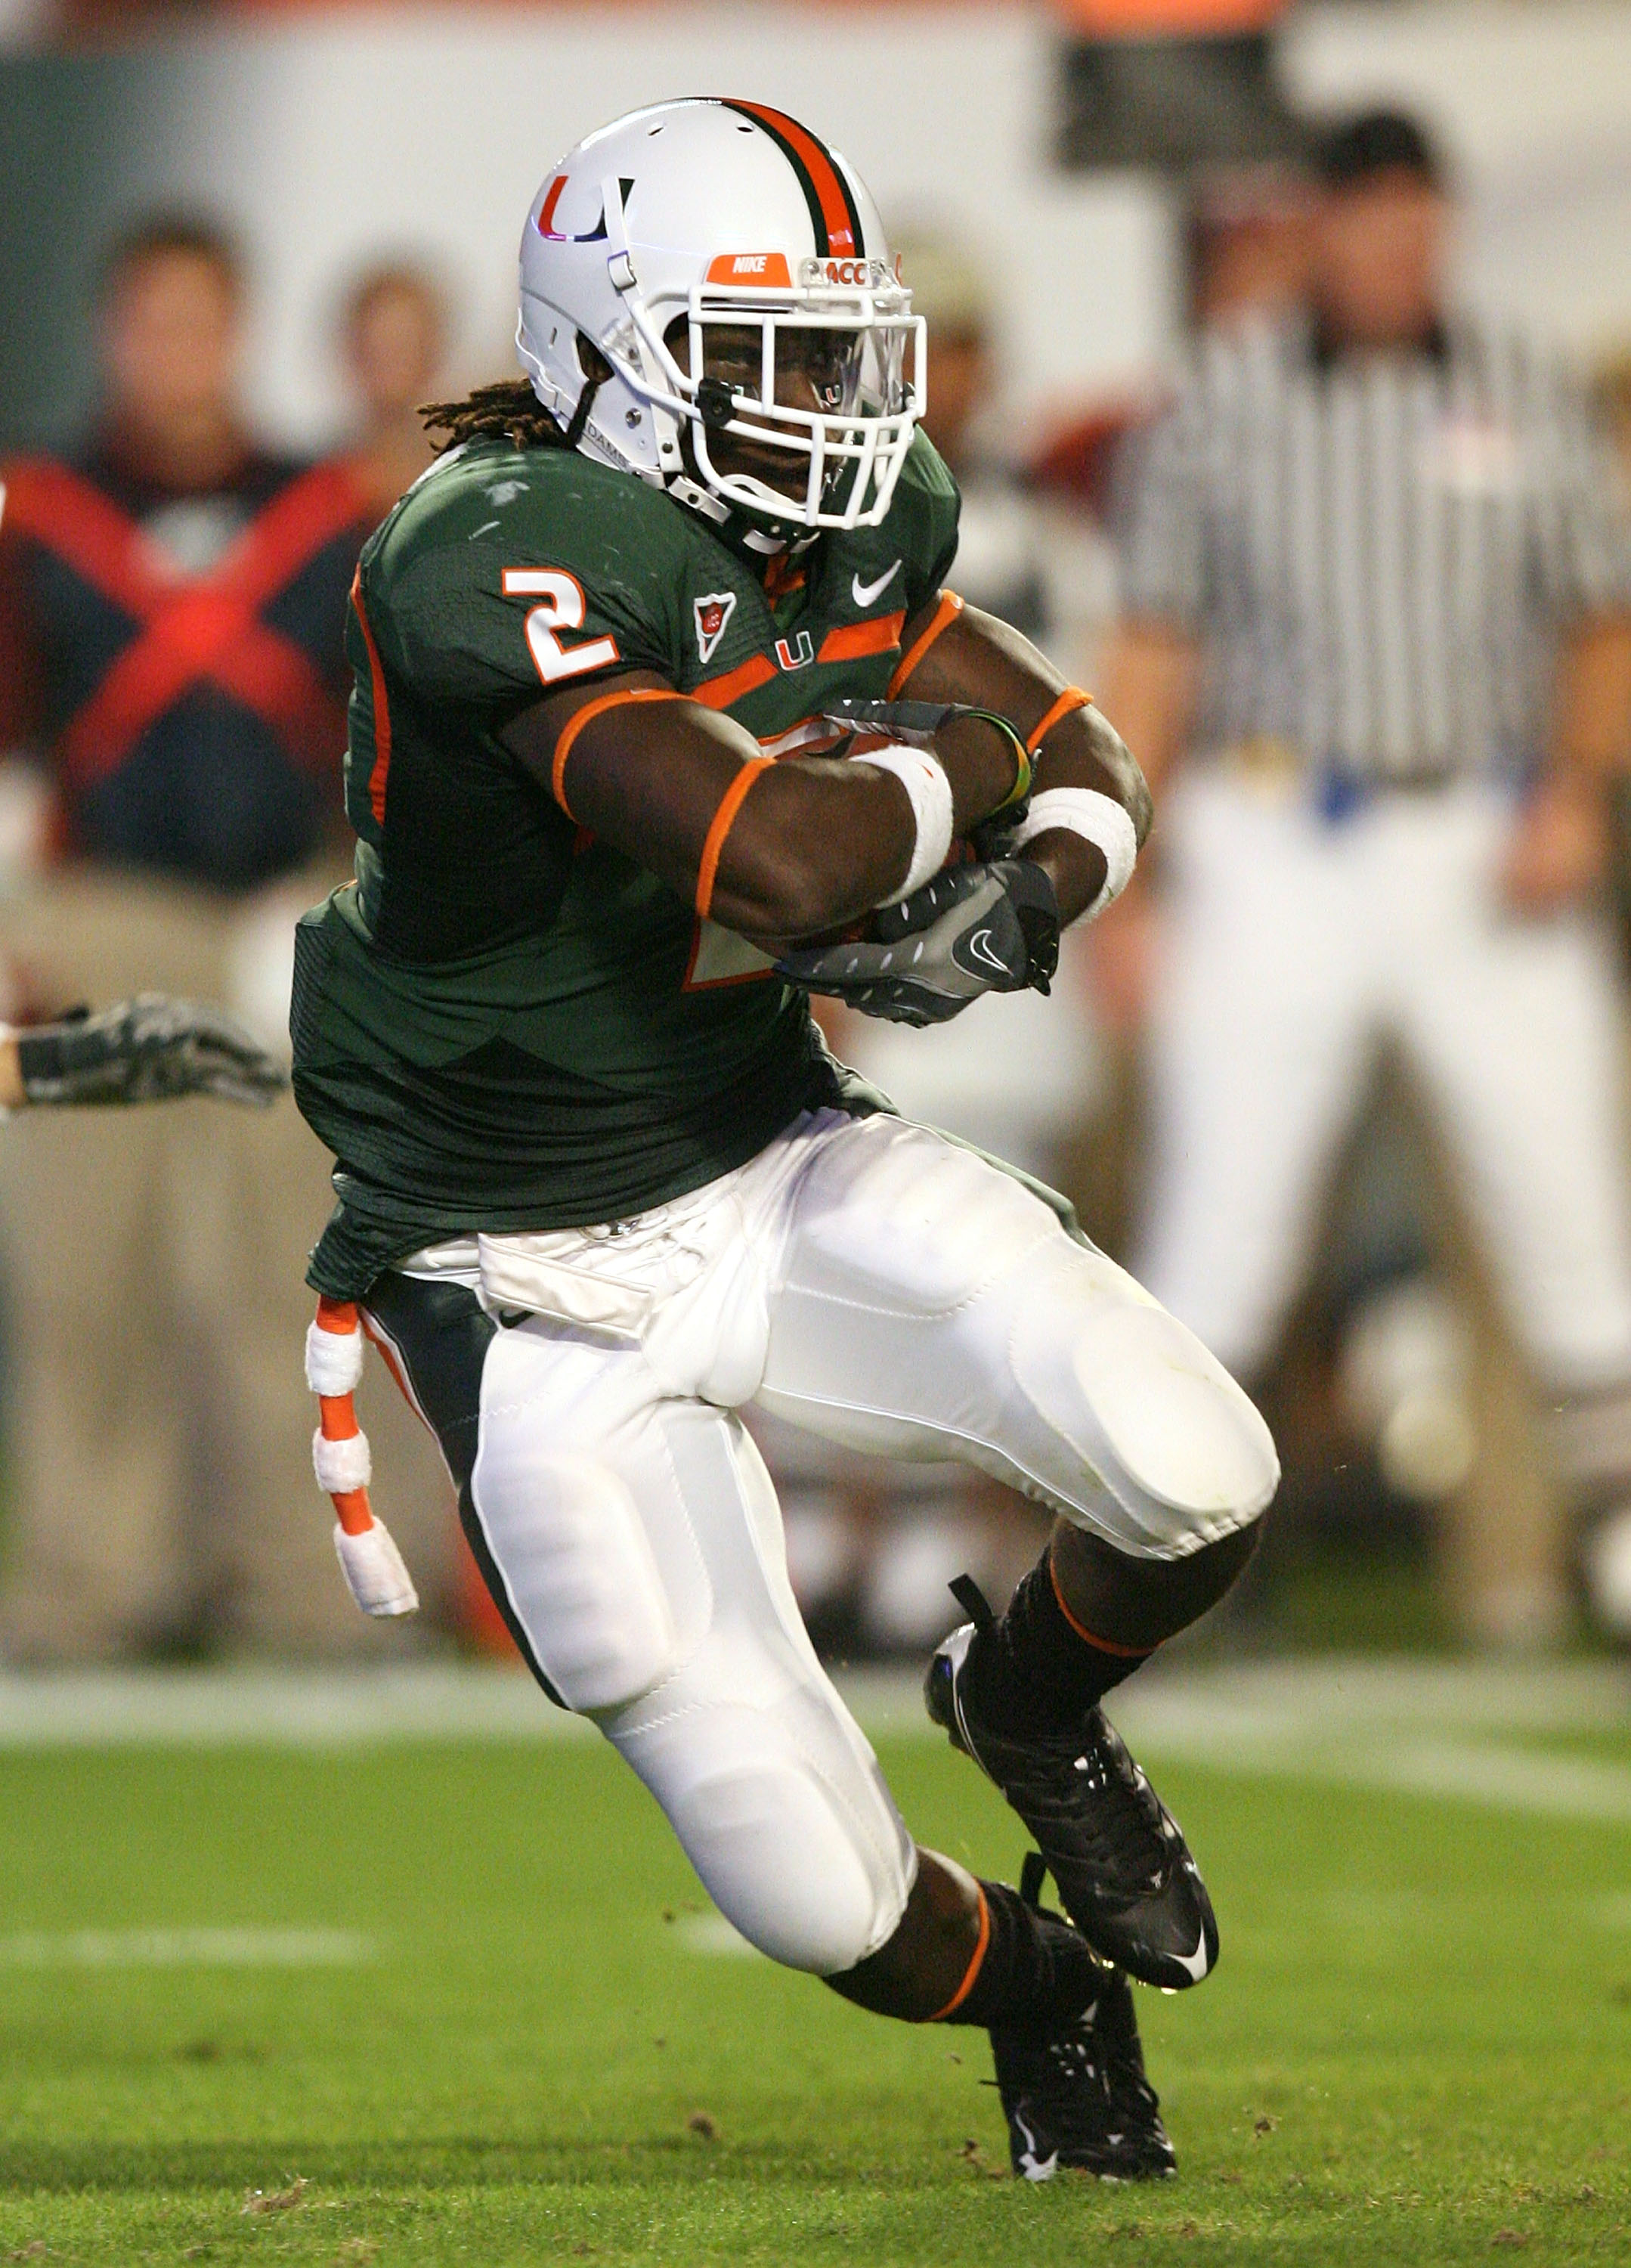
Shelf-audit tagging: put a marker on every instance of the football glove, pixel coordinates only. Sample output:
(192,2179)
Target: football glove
(915,722)
(972,930)
(148,1050)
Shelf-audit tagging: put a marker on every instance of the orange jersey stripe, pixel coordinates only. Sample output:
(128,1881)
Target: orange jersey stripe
(720,826)
(720,692)
(945,615)
(783,577)
(579,718)
(1071,698)
(854,639)
(381,772)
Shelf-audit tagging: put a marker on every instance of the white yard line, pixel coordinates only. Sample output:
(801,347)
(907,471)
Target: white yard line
(1421,1728)
(711,1935)
(1430,1728)
(1484,1772)
(185,1949)
(281,1708)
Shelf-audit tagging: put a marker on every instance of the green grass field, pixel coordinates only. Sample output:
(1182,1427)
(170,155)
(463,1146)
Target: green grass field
(511,2035)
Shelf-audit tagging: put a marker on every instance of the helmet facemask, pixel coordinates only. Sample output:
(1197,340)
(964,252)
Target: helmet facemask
(800,407)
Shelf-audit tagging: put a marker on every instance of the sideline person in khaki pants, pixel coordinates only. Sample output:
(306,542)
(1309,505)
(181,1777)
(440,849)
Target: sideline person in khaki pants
(160,1428)
(172,675)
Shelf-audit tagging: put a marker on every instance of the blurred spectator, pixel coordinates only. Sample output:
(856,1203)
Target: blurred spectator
(1374,579)
(393,344)
(1251,245)
(1613,393)
(171,605)
(1248,261)
(1170,82)
(1045,570)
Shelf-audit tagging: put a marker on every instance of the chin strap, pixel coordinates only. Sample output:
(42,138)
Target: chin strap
(373,1567)
(580,415)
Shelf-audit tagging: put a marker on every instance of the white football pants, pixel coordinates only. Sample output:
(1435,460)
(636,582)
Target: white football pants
(1294,946)
(867,1280)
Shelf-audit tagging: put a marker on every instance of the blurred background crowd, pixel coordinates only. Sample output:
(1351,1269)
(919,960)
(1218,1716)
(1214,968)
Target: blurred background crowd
(1283,353)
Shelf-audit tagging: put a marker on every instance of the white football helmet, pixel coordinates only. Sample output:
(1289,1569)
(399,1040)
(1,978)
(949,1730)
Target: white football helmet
(732,271)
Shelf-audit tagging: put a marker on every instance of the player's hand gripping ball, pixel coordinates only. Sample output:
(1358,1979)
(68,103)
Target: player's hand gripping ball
(985,923)
(973,930)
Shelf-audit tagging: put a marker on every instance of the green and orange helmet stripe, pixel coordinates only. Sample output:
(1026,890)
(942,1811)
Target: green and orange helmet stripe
(832,212)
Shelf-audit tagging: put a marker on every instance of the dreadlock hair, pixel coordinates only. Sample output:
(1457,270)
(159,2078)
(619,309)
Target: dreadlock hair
(509,411)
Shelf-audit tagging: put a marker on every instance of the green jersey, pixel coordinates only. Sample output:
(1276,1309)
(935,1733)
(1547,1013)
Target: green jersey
(502,1024)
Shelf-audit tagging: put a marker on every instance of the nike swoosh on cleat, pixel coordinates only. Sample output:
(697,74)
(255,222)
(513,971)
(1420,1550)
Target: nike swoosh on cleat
(864,593)
(1032,2168)
(1196,1963)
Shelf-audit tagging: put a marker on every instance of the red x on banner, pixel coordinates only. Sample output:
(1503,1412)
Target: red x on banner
(191,629)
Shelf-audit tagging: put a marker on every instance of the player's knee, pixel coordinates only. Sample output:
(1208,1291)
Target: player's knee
(1180,1429)
(1188,1435)
(788,1869)
(1183,1456)
(567,1537)
(777,1800)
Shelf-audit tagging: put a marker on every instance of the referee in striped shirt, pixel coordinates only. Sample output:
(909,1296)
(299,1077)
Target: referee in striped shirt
(1374,583)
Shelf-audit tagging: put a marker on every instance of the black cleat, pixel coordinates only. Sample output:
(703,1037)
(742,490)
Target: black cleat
(1077,2099)
(1123,1868)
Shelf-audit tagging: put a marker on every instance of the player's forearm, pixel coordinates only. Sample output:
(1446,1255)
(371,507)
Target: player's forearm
(979,659)
(820,843)
(817,844)
(771,850)
(13,1094)
(1592,704)
(776,851)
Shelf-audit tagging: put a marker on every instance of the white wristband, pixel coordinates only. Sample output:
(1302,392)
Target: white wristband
(1097,819)
(923,777)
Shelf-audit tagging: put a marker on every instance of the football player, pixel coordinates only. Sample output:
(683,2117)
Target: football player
(665,717)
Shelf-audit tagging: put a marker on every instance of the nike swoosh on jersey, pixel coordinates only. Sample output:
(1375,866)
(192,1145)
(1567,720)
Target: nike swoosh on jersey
(864,593)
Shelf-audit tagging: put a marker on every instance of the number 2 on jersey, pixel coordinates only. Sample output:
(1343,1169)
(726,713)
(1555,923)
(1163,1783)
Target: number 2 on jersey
(561,607)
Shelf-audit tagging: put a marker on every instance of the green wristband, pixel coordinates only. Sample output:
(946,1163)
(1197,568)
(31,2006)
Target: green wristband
(1021,787)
